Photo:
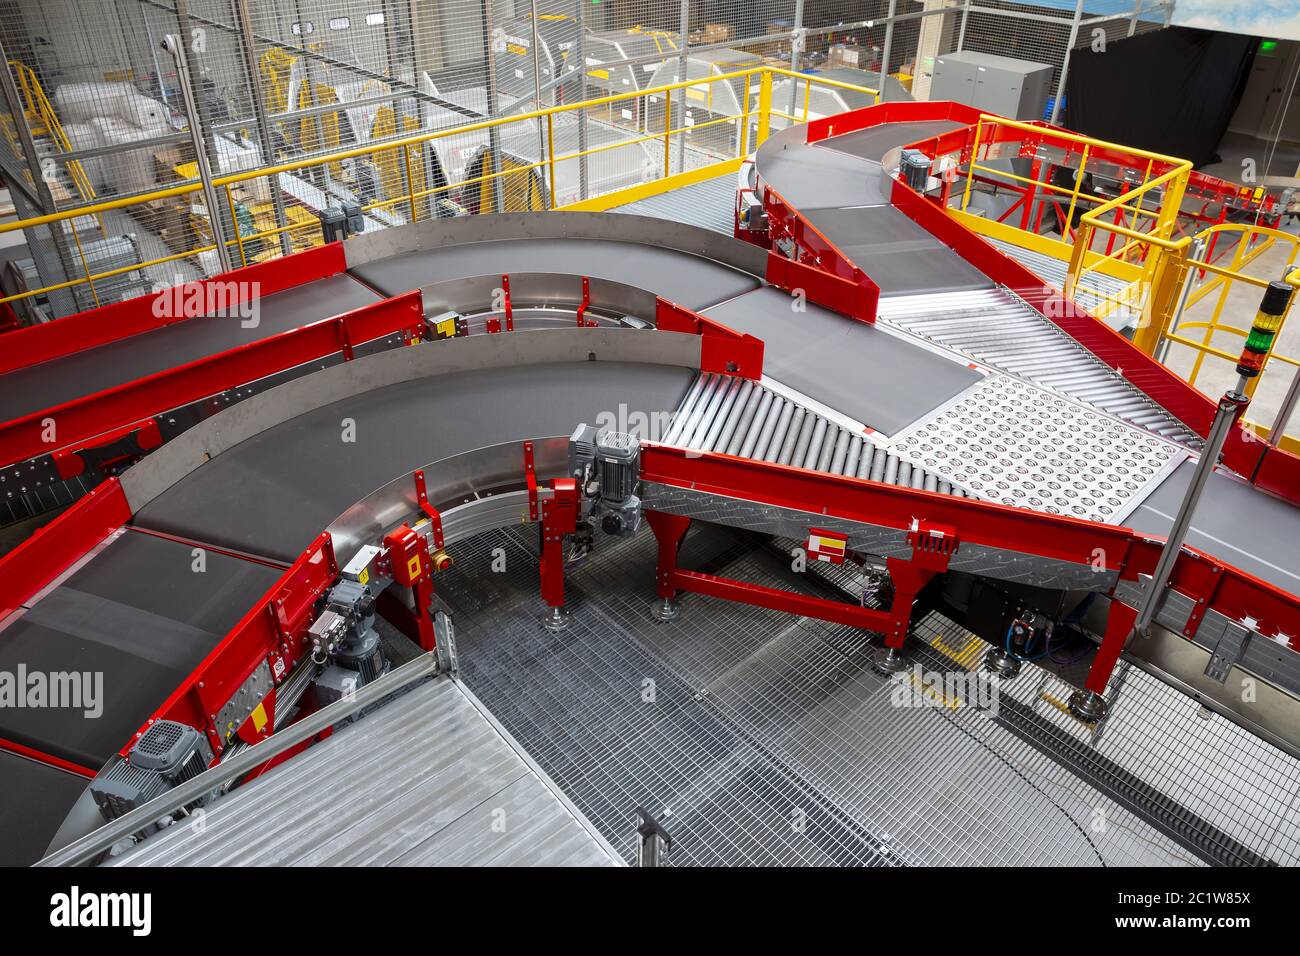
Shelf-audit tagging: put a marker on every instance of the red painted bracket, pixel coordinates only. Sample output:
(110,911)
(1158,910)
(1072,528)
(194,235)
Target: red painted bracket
(432,513)
(722,349)
(559,518)
(584,305)
(115,447)
(857,300)
(510,312)
(530,475)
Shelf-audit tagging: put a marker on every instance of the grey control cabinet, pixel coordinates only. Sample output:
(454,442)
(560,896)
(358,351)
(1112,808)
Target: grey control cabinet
(996,84)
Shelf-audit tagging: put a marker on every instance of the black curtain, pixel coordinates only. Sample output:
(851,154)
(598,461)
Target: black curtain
(1170,91)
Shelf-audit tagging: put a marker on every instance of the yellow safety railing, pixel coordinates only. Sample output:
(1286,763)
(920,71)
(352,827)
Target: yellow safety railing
(410,196)
(1169,267)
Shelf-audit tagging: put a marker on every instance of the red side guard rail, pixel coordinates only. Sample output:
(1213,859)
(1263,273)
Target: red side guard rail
(56,546)
(1209,582)
(272,632)
(119,320)
(117,408)
(722,349)
(857,300)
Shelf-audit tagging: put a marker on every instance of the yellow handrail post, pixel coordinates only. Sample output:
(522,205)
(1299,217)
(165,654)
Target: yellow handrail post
(234,222)
(550,153)
(744,127)
(1078,256)
(1166,281)
(764,108)
(668,125)
(410,182)
(1074,194)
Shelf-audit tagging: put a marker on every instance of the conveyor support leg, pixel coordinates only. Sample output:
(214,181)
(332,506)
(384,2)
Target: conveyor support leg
(559,519)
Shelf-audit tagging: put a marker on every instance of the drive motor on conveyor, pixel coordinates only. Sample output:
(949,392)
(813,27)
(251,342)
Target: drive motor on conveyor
(608,466)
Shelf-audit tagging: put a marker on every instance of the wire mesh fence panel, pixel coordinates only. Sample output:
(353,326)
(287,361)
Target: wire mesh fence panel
(106,111)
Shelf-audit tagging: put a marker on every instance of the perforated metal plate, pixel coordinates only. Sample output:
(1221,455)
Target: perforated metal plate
(1008,441)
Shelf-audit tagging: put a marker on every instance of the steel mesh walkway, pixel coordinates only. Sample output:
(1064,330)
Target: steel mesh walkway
(767,739)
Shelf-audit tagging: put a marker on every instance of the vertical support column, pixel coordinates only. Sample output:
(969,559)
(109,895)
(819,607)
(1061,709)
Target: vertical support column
(888,50)
(669,530)
(580,48)
(175,45)
(1088,704)
(654,842)
(961,33)
(1065,64)
(259,116)
(494,132)
(682,70)
(559,518)
(797,40)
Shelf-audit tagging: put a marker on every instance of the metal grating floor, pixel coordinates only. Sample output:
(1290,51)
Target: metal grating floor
(767,739)
(708,204)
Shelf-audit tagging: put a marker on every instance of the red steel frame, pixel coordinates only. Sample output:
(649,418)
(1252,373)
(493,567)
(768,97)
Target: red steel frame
(1211,583)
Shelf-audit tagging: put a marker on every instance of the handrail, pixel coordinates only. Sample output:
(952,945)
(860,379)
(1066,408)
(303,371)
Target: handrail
(415,189)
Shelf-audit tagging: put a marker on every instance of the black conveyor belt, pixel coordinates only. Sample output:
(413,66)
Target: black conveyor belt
(36,799)
(139,614)
(879,379)
(686,279)
(875,141)
(274,493)
(894,251)
(43,386)
(1266,529)
(783,163)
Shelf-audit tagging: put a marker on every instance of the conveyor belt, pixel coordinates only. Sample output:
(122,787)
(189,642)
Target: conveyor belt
(895,252)
(273,494)
(37,797)
(874,376)
(426,780)
(141,614)
(689,280)
(43,386)
(1235,522)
